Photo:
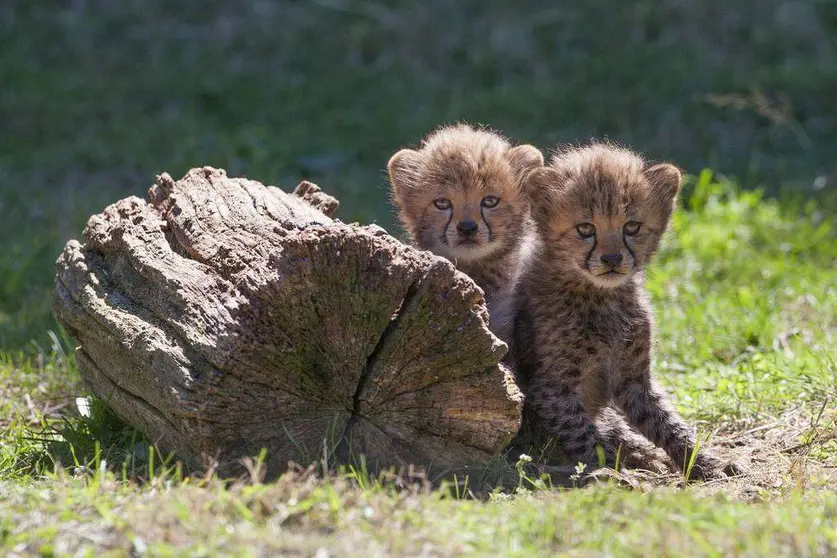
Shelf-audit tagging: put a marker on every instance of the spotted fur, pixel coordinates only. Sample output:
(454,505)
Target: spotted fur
(465,167)
(584,327)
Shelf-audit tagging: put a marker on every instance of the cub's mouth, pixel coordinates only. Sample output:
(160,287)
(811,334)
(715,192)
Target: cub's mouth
(468,242)
(610,278)
(471,249)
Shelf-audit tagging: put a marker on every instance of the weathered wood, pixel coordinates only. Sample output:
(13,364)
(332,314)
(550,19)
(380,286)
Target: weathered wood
(312,193)
(222,316)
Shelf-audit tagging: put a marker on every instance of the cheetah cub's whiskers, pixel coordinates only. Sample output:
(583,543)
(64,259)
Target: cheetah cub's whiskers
(462,196)
(584,327)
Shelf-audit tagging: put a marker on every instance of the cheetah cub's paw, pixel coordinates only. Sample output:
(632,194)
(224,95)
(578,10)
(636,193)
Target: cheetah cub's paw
(711,467)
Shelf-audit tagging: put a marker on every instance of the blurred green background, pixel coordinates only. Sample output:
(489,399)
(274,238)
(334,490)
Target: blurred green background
(97,97)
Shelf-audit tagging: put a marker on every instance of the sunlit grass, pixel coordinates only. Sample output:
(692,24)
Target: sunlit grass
(746,330)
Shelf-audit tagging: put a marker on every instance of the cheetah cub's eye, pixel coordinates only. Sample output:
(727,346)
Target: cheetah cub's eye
(585,230)
(631,228)
(442,203)
(490,201)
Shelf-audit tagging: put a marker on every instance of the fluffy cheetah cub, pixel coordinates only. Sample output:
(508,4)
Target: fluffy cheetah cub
(584,327)
(461,196)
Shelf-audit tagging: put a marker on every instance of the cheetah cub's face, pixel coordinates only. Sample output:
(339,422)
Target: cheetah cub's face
(460,195)
(604,211)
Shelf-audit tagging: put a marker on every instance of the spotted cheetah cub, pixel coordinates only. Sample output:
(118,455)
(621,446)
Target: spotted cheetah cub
(584,326)
(461,196)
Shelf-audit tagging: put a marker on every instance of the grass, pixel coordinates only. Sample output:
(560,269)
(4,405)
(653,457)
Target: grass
(747,295)
(301,515)
(98,97)
(747,340)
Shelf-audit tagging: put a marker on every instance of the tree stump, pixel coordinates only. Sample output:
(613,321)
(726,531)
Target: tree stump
(222,316)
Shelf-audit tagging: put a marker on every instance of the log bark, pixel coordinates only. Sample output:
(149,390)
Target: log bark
(221,316)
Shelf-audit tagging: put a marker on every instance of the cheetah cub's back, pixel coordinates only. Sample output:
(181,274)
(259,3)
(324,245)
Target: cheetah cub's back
(462,195)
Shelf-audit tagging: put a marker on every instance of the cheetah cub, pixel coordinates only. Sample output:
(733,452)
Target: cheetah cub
(461,196)
(584,325)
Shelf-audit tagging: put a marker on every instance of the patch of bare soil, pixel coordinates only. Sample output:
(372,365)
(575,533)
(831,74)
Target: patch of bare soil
(777,457)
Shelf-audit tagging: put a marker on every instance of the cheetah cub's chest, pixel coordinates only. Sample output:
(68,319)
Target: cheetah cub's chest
(607,332)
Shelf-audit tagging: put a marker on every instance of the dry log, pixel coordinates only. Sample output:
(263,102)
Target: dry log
(222,316)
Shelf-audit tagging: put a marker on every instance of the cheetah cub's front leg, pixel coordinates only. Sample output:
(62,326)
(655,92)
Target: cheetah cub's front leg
(648,410)
(564,416)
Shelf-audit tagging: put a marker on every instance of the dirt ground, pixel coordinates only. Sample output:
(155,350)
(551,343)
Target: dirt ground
(774,461)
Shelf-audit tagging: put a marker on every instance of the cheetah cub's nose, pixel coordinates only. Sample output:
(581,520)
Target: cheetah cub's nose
(467,228)
(613,260)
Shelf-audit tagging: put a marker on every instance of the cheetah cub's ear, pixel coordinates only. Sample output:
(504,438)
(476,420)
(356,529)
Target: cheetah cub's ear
(524,159)
(543,188)
(404,169)
(665,178)
(665,181)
